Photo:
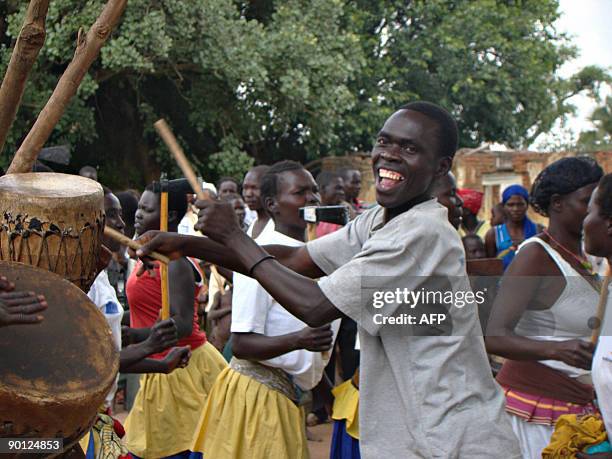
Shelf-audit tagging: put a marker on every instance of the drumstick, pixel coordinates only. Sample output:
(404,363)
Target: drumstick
(123,239)
(601,306)
(168,137)
(163,269)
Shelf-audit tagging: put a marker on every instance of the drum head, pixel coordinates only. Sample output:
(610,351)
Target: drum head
(49,185)
(54,375)
(54,222)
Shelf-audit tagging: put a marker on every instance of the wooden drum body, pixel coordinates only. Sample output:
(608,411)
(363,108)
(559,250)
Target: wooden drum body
(52,221)
(55,375)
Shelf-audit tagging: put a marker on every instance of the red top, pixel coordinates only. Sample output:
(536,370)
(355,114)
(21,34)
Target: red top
(324,228)
(144,298)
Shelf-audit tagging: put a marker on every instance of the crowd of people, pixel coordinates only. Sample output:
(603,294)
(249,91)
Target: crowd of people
(270,333)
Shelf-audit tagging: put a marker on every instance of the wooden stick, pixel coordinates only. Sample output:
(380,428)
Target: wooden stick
(601,306)
(88,48)
(168,137)
(30,41)
(163,269)
(123,239)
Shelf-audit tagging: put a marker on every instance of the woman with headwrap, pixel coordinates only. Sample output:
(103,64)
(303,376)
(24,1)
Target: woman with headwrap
(546,300)
(501,241)
(472,202)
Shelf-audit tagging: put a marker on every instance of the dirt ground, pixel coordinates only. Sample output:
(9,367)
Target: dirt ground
(323,433)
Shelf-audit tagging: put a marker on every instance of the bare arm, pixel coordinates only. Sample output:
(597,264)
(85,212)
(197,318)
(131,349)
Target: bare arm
(518,291)
(178,357)
(162,336)
(254,346)
(182,289)
(174,245)
(300,295)
(490,245)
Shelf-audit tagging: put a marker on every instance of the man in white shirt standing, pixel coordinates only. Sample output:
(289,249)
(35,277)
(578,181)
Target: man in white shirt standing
(276,355)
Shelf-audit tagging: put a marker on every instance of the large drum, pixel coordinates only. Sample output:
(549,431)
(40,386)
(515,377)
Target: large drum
(52,221)
(55,375)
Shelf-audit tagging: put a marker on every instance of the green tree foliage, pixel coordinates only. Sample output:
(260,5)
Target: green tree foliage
(599,138)
(226,82)
(493,63)
(261,80)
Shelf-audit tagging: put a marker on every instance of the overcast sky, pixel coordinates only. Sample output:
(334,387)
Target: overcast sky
(590,24)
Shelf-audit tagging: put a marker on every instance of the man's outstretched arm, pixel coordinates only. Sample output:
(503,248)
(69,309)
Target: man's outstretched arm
(280,270)
(297,259)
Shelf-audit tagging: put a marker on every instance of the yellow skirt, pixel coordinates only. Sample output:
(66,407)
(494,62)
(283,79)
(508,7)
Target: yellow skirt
(167,408)
(346,406)
(246,419)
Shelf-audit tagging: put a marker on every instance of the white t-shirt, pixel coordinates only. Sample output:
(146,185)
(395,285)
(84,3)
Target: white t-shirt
(187,223)
(250,216)
(602,366)
(103,295)
(269,227)
(255,311)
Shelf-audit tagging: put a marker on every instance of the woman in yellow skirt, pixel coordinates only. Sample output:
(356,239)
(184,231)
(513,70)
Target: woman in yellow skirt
(167,408)
(253,410)
(345,413)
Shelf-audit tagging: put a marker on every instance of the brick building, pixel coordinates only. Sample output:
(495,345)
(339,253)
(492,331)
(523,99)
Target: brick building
(484,170)
(492,171)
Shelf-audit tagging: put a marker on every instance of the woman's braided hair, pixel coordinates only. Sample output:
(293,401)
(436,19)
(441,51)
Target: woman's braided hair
(562,177)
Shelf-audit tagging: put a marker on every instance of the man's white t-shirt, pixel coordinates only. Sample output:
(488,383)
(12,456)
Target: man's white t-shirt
(103,295)
(255,311)
(250,216)
(602,366)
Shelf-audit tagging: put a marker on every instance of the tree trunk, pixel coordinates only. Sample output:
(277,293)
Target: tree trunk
(88,48)
(30,41)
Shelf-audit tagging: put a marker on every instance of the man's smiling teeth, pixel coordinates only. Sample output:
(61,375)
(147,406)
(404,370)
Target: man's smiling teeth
(392,175)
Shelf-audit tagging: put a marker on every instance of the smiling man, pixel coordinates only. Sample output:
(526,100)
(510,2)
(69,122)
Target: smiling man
(420,396)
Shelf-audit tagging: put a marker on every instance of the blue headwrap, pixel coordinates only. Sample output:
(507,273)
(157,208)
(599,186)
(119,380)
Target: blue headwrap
(515,190)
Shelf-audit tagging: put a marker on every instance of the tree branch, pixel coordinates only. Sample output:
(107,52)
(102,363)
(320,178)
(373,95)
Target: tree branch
(88,48)
(30,41)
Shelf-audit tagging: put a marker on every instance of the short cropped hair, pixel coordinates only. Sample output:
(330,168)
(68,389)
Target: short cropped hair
(269,182)
(228,179)
(177,202)
(325,178)
(129,205)
(261,169)
(447,126)
(230,197)
(345,171)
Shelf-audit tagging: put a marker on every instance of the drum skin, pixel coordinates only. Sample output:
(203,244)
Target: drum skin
(55,375)
(52,221)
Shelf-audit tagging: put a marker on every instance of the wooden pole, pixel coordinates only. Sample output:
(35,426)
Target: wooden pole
(163,269)
(601,306)
(88,48)
(30,41)
(168,137)
(135,245)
